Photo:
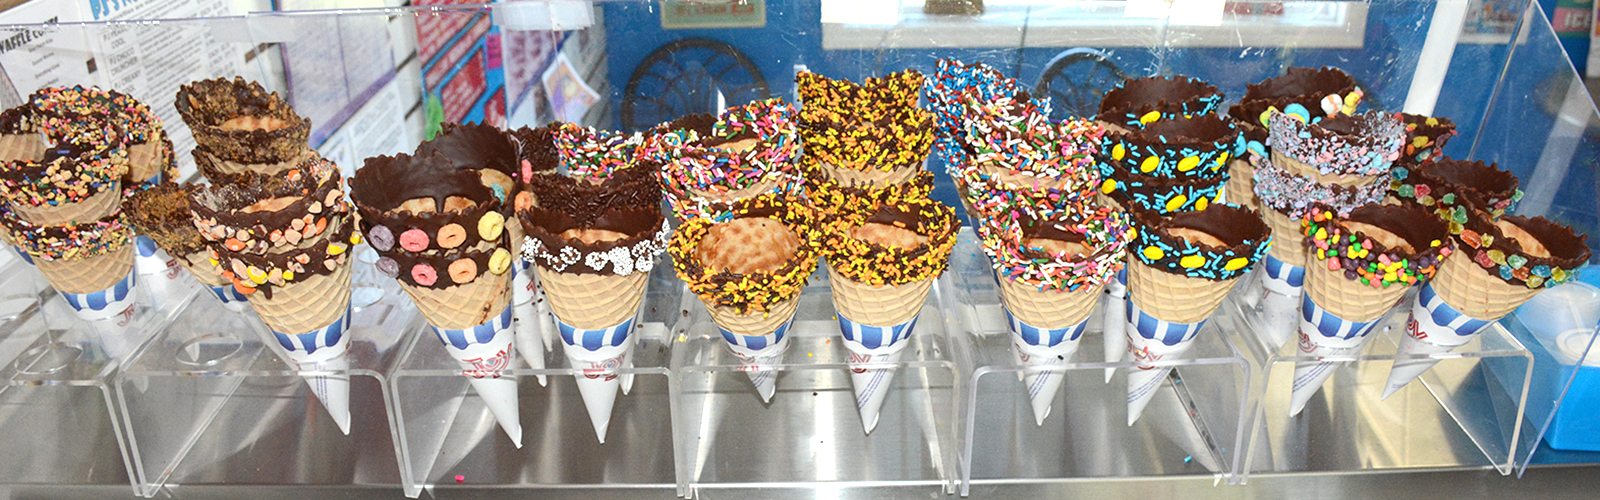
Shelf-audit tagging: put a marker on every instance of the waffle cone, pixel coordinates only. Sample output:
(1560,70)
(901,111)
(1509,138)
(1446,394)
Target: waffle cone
(1474,292)
(306,305)
(1172,297)
(1241,186)
(145,160)
(91,209)
(463,306)
(1288,243)
(212,166)
(877,305)
(88,275)
(199,264)
(1048,309)
(21,147)
(871,177)
(592,301)
(1348,299)
(1299,168)
(755,323)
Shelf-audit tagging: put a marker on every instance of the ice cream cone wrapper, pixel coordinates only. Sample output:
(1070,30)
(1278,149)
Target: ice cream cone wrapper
(1434,327)
(110,311)
(164,280)
(1282,285)
(313,350)
(530,321)
(757,354)
(1033,347)
(1114,321)
(1151,340)
(873,345)
(230,297)
(600,353)
(1323,334)
(484,352)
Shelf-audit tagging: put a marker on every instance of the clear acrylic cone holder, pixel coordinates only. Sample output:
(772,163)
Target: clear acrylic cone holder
(448,436)
(1191,426)
(215,396)
(811,430)
(58,412)
(1473,397)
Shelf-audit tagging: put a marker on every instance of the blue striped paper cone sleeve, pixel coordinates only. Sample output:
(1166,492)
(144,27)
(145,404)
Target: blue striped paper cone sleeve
(756,353)
(323,349)
(1278,315)
(110,313)
(1029,351)
(230,297)
(1323,334)
(1151,340)
(164,280)
(600,354)
(530,322)
(1114,320)
(484,351)
(1434,327)
(873,345)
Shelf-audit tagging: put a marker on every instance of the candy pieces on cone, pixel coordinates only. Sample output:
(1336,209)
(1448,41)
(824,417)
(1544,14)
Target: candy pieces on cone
(1150,340)
(1114,321)
(1282,285)
(317,349)
(600,353)
(1363,263)
(1038,347)
(484,352)
(872,345)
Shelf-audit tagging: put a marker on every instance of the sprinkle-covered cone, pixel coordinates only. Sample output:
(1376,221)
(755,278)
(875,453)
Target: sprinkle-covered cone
(1114,321)
(1048,309)
(757,339)
(1288,244)
(875,322)
(484,351)
(93,208)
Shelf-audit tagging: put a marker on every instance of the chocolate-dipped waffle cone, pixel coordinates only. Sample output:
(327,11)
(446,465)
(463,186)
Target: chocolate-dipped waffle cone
(274,138)
(90,274)
(1050,309)
(307,305)
(1173,297)
(762,323)
(21,146)
(871,135)
(95,207)
(199,264)
(462,306)
(1470,288)
(592,301)
(1241,187)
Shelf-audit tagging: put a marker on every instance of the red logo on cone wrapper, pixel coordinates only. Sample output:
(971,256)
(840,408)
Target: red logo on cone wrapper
(1414,329)
(607,369)
(127,316)
(490,367)
(173,269)
(1306,347)
(859,358)
(1144,357)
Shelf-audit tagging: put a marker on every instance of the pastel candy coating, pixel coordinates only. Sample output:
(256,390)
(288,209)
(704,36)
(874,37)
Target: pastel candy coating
(388,267)
(491,225)
(463,271)
(414,240)
(500,261)
(451,235)
(423,274)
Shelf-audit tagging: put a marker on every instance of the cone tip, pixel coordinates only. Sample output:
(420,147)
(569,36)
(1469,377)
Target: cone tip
(1390,389)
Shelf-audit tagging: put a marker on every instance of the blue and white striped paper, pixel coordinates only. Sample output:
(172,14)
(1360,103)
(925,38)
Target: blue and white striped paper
(228,294)
(1279,270)
(1168,333)
(480,334)
(1443,319)
(321,338)
(756,342)
(1045,337)
(873,337)
(594,340)
(145,246)
(25,257)
(1329,325)
(110,300)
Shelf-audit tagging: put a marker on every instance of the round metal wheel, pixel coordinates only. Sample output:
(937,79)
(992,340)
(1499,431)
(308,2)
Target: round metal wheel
(689,76)
(1076,80)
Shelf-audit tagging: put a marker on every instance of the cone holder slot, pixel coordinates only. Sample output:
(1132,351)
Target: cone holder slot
(1191,426)
(445,429)
(811,430)
(1467,409)
(216,391)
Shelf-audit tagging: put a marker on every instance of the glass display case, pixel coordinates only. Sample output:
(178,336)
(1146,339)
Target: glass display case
(184,392)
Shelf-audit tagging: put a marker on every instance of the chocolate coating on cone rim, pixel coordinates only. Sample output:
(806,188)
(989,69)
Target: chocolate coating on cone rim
(1170,96)
(206,104)
(1569,250)
(758,291)
(1476,186)
(1436,135)
(162,213)
(1244,235)
(628,202)
(872,264)
(536,148)
(1428,237)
